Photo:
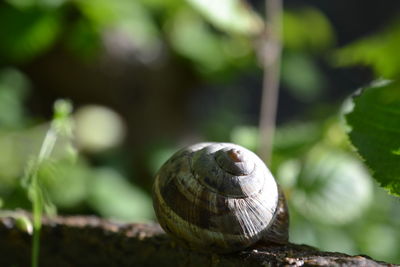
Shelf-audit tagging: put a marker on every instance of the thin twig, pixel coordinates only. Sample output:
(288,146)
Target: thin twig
(271,53)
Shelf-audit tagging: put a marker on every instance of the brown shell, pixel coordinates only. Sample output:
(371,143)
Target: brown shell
(219,197)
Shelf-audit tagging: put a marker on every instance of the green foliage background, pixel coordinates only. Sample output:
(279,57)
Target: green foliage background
(334,202)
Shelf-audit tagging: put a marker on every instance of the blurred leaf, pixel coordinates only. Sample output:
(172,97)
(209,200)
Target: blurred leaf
(302,77)
(163,10)
(159,156)
(332,188)
(27,143)
(56,176)
(307,29)
(246,136)
(291,140)
(375,131)
(335,135)
(288,172)
(381,242)
(84,39)
(24,4)
(25,34)
(18,147)
(191,38)
(126,24)
(113,197)
(296,136)
(230,15)
(13,90)
(212,53)
(379,51)
(10,165)
(301,230)
(220,122)
(334,239)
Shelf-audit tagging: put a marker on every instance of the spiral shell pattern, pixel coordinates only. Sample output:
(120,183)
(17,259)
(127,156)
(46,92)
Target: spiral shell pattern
(217,197)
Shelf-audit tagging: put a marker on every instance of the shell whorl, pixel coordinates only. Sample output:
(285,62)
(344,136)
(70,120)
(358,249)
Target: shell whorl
(217,196)
(229,170)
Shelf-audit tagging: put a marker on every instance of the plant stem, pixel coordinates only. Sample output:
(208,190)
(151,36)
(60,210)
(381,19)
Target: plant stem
(271,53)
(37,201)
(37,220)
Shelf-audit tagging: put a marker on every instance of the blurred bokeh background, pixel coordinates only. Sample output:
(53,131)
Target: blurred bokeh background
(147,77)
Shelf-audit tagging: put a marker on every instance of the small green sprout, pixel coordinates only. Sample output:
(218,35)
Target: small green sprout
(61,126)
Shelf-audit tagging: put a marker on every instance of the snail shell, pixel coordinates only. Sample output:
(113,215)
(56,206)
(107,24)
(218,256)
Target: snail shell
(219,197)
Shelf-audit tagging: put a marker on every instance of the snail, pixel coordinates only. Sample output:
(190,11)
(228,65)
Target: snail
(220,198)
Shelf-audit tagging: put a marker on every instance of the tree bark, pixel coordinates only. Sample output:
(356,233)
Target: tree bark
(92,241)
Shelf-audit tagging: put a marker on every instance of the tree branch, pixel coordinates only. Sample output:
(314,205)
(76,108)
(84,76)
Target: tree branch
(271,54)
(91,241)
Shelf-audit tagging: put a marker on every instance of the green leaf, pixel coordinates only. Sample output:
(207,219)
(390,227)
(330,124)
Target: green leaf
(375,131)
(54,177)
(245,135)
(14,87)
(22,4)
(307,84)
(307,29)
(213,53)
(332,186)
(114,197)
(233,16)
(191,38)
(25,34)
(127,26)
(84,39)
(379,51)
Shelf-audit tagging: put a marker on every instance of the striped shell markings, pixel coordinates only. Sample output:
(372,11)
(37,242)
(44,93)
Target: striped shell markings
(219,197)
